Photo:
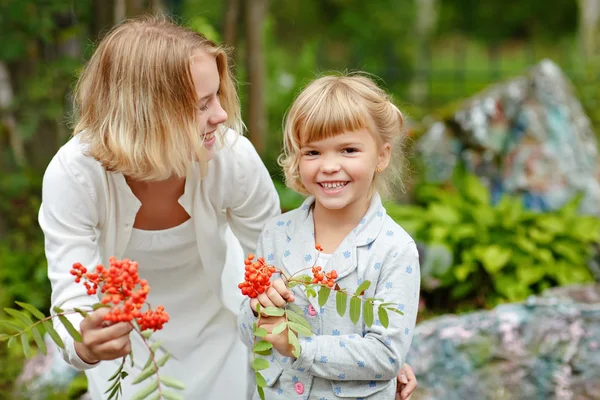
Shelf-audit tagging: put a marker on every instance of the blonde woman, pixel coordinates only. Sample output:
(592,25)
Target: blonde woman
(157,172)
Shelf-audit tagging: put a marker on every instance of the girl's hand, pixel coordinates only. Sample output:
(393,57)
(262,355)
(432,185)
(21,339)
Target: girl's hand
(101,342)
(276,295)
(407,383)
(279,341)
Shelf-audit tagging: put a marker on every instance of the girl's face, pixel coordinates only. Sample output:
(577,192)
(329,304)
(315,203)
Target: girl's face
(205,75)
(339,171)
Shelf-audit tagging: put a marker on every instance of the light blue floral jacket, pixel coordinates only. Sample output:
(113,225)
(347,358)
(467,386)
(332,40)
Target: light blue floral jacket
(342,360)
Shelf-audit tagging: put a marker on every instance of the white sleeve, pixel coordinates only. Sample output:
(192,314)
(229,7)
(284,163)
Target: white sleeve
(68,218)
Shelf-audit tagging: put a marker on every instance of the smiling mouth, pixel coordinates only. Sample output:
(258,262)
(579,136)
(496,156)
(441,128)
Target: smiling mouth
(333,185)
(208,136)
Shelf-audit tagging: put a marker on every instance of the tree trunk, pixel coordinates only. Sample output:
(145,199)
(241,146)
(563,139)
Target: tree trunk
(255,65)
(232,19)
(589,16)
(7,119)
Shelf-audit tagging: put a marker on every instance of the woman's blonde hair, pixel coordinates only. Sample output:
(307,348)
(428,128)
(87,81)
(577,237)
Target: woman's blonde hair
(135,103)
(335,104)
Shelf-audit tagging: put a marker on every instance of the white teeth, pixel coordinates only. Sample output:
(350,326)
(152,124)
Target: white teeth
(333,185)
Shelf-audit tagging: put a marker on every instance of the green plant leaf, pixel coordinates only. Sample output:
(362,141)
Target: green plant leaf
(39,340)
(34,311)
(293,340)
(146,391)
(19,315)
(273,311)
(25,344)
(115,374)
(279,328)
(94,307)
(260,364)
(341,300)
(368,313)
(12,325)
(354,309)
(262,345)
(310,292)
(395,310)
(53,334)
(145,374)
(297,318)
(362,288)
(4,337)
(494,257)
(261,392)
(72,331)
(81,312)
(116,389)
(323,295)
(168,395)
(383,317)
(260,380)
(163,360)
(303,278)
(172,382)
(301,329)
(260,332)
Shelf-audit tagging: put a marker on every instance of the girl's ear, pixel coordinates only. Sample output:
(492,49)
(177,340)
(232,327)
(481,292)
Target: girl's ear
(385,152)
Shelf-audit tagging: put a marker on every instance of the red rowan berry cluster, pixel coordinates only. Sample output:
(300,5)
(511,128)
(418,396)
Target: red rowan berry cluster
(327,278)
(257,277)
(118,284)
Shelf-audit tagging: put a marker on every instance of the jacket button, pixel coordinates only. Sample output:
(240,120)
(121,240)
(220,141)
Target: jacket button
(311,311)
(299,388)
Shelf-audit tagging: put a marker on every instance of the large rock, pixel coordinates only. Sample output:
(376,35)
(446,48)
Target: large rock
(546,348)
(527,136)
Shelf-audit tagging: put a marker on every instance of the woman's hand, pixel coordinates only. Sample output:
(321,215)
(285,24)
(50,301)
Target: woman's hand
(101,342)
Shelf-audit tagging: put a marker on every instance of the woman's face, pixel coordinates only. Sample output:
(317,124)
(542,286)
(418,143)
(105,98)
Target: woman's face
(205,75)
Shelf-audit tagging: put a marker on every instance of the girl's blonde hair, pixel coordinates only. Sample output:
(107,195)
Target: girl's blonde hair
(335,104)
(135,103)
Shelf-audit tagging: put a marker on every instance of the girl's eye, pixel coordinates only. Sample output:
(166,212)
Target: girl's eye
(204,108)
(350,150)
(311,153)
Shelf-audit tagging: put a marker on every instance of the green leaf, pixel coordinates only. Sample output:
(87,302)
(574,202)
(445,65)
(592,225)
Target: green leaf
(39,340)
(11,342)
(116,374)
(368,313)
(383,317)
(96,306)
(260,380)
(362,287)
(156,345)
(260,332)
(262,345)
(260,364)
(341,300)
(72,331)
(395,310)
(261,393)
(53,334)
(264,353)
(81,312)
(4,337)
(301,329)
(58,310)
(494,257)
(12,325)
(297,318)
(20,315)
(34,311)
(293,340)
(323,295)
(475,190)
(304,278)
(25,344)
(116,388)
(163,360)
(279,328)
(273,311)
(145,392)
(145,374)
(172,382)
(147,333)
(354,309)
(172,395)
(310,292)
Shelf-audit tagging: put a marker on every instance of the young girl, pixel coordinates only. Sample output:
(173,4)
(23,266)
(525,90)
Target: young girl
(338,141)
